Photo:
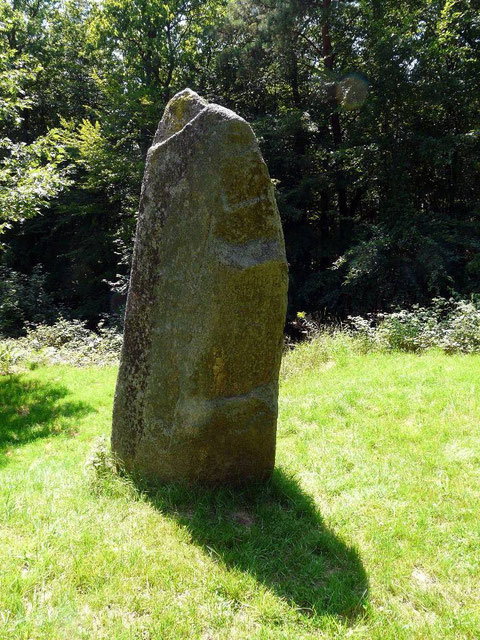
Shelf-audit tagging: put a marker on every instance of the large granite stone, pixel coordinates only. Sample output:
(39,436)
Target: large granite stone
(196,396)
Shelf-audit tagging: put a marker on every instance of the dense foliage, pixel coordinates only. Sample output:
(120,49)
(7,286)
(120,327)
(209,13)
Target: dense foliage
(367,113)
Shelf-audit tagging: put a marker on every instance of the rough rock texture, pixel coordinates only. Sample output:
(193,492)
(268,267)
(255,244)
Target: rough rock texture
(196,396)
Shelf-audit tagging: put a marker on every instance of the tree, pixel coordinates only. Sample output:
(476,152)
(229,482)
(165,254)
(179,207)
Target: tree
(31,172)
(367,114)
(366,118)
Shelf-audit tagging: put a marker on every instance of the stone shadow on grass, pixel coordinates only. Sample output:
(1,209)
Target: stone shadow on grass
(29,410)
(274,532)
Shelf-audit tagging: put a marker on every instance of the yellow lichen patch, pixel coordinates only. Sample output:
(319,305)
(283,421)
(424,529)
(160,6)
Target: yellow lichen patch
(249,349)
(181,109)
(239,133)
(244,178)
(218,370)
(255,220)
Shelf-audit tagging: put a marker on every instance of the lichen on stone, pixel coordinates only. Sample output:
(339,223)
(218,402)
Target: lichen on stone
(196,397)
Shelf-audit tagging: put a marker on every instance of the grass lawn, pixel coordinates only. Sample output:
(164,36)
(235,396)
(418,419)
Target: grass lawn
(370,527)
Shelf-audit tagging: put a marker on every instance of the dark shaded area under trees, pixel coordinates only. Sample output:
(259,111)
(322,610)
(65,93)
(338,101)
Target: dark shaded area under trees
(367,113)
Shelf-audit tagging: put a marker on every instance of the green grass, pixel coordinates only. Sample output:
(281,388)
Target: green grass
(368,529)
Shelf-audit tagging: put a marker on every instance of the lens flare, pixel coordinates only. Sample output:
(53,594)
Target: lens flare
(352,91)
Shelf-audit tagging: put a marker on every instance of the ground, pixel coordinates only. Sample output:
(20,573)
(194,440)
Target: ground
(368,529)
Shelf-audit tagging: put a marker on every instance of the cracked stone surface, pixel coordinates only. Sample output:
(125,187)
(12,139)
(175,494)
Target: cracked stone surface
(196,396)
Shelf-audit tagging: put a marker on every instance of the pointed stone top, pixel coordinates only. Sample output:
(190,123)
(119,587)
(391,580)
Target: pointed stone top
(180,110)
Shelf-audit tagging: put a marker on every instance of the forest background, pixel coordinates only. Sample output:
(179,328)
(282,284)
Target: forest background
(367,113)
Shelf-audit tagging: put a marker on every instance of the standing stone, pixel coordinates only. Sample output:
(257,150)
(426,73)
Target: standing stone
(196,396)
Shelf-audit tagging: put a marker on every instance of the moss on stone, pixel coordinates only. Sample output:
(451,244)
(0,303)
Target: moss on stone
(196,397)
(243,351)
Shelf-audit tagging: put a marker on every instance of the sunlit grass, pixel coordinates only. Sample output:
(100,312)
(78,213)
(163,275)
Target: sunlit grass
(369,528)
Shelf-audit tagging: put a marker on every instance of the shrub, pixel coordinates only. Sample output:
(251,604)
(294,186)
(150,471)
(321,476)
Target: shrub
(9,356)
(65,342)
(462,331)
(451,325)
(23,299)
(62,332)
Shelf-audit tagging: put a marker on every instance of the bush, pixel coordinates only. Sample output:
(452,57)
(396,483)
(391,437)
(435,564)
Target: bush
(63,332)
(451,325)
(23,299)
(65,342)
(462,331)
(9,356)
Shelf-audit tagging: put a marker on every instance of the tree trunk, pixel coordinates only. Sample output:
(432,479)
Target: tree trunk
(335,123)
